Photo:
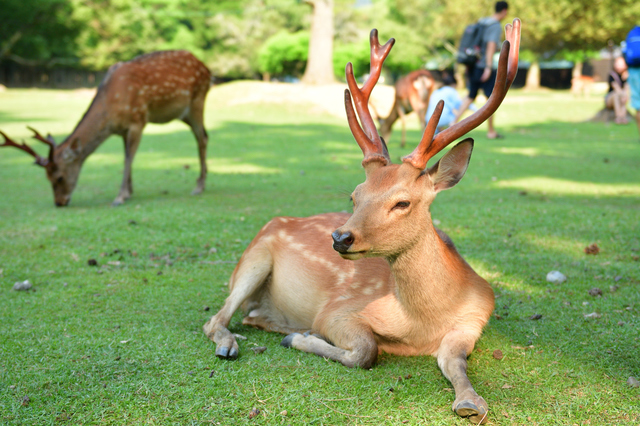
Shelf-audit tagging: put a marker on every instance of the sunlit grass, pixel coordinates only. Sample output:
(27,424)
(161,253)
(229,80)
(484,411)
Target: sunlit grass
(120,343)
(566,187)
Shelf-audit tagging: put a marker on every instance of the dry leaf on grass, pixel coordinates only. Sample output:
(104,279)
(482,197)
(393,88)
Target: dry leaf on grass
(592,249)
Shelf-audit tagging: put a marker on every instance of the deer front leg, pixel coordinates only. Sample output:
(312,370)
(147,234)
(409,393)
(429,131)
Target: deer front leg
(131,143)
(252,271)
(195,120)
(362,348)
(452,359)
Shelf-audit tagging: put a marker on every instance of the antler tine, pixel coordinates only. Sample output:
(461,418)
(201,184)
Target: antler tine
(367,136)
(507,69)
(24,147)
(48,140)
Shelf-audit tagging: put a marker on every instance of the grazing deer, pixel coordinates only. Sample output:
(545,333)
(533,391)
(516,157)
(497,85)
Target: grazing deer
(392,282)
(153,88)
(412,94)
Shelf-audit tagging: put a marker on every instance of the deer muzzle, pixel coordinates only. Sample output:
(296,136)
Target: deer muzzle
(342,241)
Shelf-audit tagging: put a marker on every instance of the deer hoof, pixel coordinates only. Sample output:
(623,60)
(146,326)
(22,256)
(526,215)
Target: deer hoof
(224,352)
(287,342)
(475,411)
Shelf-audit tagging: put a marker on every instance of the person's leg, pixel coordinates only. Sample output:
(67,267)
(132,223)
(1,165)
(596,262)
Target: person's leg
(488,89)
(620,108)
(634,85)
(474,85)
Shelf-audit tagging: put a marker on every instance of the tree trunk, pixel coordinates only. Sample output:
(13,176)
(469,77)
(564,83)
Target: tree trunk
(320,61)
(533,77)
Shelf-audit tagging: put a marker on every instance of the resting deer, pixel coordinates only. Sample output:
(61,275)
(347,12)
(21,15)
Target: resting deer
(392,282)
(412,94)
(153,88)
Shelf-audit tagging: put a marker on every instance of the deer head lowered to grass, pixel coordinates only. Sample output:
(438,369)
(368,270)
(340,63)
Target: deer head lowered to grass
(153,88)
(412,93)
(389,281)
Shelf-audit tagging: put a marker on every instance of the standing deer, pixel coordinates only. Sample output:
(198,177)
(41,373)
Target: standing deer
(153,88)
(392,282)
(412,94)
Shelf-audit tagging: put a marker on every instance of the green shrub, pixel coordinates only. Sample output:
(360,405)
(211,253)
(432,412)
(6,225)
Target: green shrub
(284,54)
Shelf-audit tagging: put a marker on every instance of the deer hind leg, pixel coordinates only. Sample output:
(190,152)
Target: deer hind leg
(452,359)
(195,120)
(131,143)
(362,348)
(250,274)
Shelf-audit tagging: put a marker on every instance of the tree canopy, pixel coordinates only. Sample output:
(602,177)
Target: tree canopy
(245,38)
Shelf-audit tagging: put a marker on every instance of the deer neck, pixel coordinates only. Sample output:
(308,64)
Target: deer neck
(420,272)
(93,129)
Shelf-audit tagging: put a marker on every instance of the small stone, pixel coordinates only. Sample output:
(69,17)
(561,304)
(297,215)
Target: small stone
(535,317)
(92,262)
(22,285)
(254,413)
(283,413)
(633,382)
(259,349)
(206,308)
(592,315)
(618,278)
(613,288)
(556,277)
(595,292)
(497,354)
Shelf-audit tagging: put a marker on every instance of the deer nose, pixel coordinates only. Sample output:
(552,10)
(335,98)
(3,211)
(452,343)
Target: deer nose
(342,241)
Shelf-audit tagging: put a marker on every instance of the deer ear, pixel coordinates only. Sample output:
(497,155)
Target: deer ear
(72,150)
(448,171)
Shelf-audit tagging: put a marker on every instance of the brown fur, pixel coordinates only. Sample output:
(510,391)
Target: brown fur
(402,288)
(153,88)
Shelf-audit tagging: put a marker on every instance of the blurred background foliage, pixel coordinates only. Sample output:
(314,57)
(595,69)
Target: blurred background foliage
(269,38)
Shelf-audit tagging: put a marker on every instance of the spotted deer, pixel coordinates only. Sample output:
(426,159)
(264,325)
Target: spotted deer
(412,94)
(153,88)
(348,287)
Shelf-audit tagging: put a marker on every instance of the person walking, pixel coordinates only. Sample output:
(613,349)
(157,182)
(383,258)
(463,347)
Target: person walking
(632,57)
(482,75)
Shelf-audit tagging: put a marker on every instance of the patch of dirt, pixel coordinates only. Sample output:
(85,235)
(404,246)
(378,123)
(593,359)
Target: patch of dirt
(327,98)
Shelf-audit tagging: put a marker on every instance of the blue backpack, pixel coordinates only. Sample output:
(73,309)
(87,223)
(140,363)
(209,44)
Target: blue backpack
(632,50)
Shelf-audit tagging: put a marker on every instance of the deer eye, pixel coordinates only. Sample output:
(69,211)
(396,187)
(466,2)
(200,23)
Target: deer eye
(401,205)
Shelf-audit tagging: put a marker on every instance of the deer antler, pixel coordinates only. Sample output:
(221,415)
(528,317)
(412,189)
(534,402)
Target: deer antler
(40,161)
(507,69)
(48,140)
(372,145)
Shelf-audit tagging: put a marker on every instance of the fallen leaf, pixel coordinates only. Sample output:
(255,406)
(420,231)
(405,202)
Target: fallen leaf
(535,317)
(254,413)
(592,249)
(592,315)
(506,386)
(497,354)
(595,292)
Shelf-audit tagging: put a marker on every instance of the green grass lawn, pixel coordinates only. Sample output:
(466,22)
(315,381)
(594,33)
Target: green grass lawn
(121,343)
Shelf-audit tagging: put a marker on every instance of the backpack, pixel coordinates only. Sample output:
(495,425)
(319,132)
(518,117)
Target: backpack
(632,50)
(469,51)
